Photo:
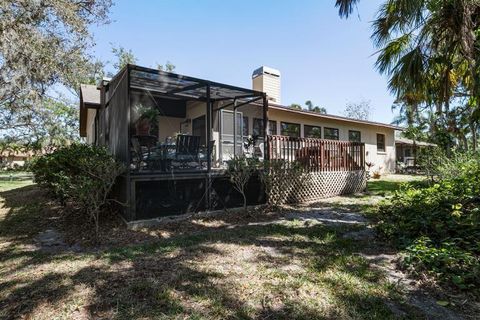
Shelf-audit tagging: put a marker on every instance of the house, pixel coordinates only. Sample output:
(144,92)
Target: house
(177,134)
(407,151)
(10,159)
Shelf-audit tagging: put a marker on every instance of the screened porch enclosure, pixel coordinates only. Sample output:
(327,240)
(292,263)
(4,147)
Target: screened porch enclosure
(176,135)
(191,127)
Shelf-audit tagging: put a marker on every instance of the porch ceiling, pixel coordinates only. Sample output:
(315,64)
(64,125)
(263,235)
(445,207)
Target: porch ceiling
(180,86)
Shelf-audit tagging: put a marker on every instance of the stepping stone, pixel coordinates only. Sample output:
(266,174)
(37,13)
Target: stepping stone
(50,239)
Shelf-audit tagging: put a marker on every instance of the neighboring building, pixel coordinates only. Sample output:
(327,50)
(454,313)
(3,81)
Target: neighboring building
(407,151)
(14,159)
(176,134)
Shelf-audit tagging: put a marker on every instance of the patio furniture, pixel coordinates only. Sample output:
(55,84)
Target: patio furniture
(203,154)
(142,149)
(187,149)
(164,155)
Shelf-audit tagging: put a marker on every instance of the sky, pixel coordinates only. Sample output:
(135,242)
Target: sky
(321,57)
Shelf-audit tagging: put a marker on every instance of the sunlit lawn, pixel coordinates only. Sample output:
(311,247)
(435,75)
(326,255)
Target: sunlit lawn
(224,268)
(7,185)
(390,183)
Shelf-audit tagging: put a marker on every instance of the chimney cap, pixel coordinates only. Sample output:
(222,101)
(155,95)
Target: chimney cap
(265,70)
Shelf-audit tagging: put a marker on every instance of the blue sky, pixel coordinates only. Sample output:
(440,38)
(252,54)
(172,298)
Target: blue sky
(321,57)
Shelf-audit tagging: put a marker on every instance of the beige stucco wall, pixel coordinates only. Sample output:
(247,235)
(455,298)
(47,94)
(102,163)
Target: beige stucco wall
(91,113)
(383,161)
(168,126)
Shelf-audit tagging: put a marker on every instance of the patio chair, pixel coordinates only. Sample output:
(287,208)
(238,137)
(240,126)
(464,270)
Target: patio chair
(187,150)
(203,152)
(142,148)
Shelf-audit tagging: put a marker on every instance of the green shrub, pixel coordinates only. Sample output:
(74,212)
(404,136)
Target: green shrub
(439,225)
(445,261)
(241,169)
(80,174)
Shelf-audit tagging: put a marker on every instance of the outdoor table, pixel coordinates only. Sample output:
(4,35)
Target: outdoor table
(164,155)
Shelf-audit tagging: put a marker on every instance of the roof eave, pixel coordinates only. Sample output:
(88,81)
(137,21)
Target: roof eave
(333,117)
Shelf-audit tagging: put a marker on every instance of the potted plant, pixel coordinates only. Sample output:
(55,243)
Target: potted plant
(147,119)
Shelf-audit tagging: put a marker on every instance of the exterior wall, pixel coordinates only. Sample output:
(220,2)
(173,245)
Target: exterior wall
(383,161)
(167,126)
(91,113)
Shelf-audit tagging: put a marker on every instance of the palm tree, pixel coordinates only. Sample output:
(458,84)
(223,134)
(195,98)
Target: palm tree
(429,49)
(313,108)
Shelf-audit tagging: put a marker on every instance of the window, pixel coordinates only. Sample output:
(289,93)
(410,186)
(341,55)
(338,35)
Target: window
(380,142)
(290,129)
(408,152)
(258,127)
(330,133)
(272,127)
(245,126)
(199,128)
(354,136)
(312,132)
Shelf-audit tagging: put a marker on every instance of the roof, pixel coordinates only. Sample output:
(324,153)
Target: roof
(90,94)
(186,87)
(89,98)
(412,142)
(333,117)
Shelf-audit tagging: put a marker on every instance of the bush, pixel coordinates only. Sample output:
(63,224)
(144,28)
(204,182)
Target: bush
(80,174)
(430,159)
(241,169)
(439,225)
(444,261)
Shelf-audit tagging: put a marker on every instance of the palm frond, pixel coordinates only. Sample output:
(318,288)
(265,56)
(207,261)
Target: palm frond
(391,53)
(346,7)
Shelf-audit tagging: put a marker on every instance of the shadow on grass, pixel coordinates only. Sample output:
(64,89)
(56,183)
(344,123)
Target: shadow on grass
(163,279)
(24,212)
(193,275)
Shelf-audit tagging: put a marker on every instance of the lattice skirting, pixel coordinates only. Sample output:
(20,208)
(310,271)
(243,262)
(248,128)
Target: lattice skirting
(317,185)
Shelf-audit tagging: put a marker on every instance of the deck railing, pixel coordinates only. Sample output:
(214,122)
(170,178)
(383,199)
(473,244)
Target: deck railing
(318,154)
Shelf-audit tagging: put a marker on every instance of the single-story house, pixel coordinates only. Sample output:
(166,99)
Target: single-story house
(177,134)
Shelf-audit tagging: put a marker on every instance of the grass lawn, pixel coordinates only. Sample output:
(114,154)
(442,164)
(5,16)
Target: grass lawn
(6,176)
(228,267)
(15,184)
(389,184)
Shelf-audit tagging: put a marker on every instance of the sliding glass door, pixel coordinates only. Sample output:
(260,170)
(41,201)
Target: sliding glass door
(231,134)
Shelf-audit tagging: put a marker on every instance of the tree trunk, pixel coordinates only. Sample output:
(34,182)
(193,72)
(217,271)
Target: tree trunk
(244,202)
(473,129)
